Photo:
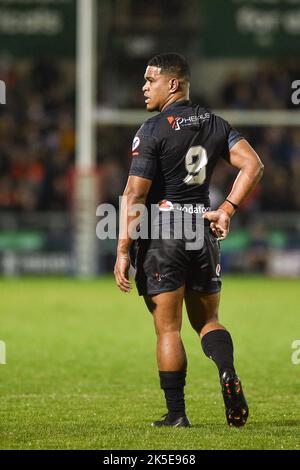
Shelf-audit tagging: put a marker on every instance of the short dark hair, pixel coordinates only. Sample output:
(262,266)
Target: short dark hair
(172,64)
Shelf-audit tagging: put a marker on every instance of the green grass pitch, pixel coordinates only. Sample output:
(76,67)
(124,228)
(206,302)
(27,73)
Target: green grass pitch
(81,370)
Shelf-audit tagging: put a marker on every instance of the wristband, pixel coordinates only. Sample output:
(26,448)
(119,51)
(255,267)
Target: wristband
(233,205)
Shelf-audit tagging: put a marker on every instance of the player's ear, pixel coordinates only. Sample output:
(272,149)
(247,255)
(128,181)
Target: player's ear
(173,85)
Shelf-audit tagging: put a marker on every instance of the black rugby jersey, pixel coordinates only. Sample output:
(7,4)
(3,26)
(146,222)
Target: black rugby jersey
(178,150)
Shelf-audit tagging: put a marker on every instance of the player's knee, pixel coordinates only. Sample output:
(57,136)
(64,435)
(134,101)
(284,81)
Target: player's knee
(167,329)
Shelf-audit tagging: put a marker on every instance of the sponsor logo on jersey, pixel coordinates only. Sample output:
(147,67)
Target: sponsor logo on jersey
(173,122)
(191,209)
(178,122)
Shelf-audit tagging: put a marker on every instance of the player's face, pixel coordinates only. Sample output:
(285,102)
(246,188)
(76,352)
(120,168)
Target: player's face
(156,89)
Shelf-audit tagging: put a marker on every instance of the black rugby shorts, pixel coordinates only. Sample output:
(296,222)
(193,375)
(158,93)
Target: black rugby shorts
(165,265)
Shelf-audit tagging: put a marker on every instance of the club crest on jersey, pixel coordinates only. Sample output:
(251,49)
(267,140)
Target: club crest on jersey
(136,142)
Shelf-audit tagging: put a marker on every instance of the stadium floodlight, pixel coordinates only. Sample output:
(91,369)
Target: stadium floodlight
(85,240)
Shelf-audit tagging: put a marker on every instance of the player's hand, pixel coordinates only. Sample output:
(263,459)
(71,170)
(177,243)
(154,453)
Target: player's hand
(219,223)
(121,272)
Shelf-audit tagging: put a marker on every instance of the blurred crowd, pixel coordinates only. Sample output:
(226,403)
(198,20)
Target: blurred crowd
(37,139)
(268,88)
(279,148)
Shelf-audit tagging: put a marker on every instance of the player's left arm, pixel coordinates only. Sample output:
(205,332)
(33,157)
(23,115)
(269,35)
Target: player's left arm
(133,202)
(243,157)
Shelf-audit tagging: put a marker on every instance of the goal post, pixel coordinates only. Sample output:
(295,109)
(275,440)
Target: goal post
(85,197)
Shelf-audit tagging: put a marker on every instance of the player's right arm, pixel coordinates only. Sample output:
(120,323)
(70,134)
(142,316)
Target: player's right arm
(141,174)
(243,157)
(133,200)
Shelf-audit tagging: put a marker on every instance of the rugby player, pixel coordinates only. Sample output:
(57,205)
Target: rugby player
(173,158)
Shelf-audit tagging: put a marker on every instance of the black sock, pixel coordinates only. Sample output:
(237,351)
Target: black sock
(218,346)
(172,383)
